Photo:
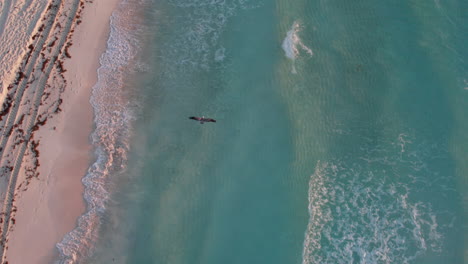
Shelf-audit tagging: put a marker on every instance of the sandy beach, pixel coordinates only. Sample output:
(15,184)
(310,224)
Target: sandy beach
(51,52)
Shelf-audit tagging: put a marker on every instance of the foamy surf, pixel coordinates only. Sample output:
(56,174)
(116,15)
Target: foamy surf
(292,43)
(366,212)
(113,119)
(198,43)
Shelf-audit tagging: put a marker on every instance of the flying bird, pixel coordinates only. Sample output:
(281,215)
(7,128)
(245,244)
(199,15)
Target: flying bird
(202,119)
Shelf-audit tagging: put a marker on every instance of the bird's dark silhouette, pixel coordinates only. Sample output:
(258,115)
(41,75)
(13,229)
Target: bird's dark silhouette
(202,119)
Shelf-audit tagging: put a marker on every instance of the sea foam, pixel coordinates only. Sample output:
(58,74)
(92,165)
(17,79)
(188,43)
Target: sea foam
(113,118)
(367,211)
(198,44)
(292,43)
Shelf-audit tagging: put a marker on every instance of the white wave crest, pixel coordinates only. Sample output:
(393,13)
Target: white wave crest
(366,212)
(113,118)
(292,43)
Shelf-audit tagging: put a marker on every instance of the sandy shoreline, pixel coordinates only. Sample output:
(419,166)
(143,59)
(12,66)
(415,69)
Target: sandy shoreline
(46,123)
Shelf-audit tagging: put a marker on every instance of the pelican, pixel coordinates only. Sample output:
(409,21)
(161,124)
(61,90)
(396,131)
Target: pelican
(202,119)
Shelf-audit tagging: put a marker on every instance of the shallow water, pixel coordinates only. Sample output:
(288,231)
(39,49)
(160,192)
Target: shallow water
(339,135)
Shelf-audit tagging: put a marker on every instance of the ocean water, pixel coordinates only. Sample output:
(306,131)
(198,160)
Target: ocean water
(340,134)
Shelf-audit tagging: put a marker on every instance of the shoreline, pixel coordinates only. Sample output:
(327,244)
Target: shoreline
(47,196)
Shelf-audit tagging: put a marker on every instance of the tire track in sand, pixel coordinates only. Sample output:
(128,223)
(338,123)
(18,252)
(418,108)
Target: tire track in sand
(26,93)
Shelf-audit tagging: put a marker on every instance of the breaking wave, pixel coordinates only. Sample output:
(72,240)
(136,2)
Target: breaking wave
(292,43)
(366,209)
(113,118)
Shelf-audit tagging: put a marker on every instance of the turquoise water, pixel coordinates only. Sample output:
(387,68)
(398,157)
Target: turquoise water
(340,134)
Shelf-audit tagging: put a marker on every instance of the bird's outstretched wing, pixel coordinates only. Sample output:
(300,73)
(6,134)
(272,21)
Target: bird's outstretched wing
(210,120)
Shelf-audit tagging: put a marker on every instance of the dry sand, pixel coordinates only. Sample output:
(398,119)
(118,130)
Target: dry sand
(46,123)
